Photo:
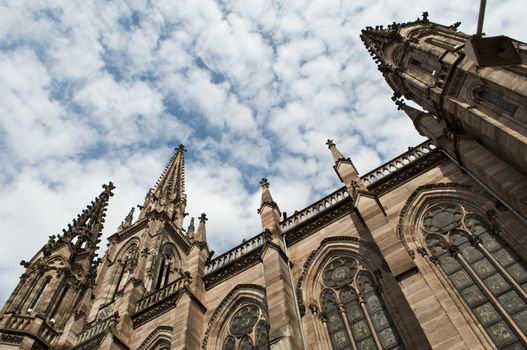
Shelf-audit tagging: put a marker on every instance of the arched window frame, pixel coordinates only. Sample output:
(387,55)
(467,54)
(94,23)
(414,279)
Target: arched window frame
(463,320)
(353,308)
(236,337)
(476,262)
(218,331)
(309,289)
(167,266)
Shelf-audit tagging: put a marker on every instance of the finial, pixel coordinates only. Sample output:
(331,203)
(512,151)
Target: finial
(203,217)
(425,16)
(264,183)
(109,188)
(330,143)
(181,148)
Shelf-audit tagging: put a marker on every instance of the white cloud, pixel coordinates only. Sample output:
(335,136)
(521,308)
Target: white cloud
(98,90)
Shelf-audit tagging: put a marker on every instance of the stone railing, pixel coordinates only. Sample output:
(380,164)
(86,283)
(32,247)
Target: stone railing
(162,293)
(317,207)
(236,253)
(47,333)
(19,322)
(398,163)
(96,328)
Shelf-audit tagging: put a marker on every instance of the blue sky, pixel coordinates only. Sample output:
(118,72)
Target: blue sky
(92,91)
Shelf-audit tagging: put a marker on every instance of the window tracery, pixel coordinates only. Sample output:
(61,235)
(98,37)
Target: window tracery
(247,329)
(353,310)
(497,101)
(489,276)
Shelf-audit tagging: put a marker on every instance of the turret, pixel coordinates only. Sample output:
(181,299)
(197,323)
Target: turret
(346,171)
(58,277)
(269,211)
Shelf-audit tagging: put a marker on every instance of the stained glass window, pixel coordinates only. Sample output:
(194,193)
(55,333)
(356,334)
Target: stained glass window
(363,321)
(248,329)
(498,101)
(489,276)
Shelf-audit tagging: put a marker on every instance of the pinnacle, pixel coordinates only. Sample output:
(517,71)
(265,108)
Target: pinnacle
(87,227)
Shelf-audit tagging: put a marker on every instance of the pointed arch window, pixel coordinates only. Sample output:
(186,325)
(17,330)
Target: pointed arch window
(353,310)
(165,268)
(489,276)
(39,294)
(248,329)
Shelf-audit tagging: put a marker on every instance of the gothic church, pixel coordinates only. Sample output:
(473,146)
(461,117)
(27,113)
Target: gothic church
(427,251)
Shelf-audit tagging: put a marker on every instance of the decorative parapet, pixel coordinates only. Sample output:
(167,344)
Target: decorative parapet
(314,209)
(235,253)
(47,333)
(398,163)
(162,293)
(21,323)
(97,328)
(26,324)
(160,301)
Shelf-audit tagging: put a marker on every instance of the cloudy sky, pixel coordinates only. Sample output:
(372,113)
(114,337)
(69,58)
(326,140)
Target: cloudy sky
(99,90)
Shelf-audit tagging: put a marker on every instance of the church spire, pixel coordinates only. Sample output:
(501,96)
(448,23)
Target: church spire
(83,234)
(168,195)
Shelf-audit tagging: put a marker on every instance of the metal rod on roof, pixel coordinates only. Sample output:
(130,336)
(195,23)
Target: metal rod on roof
(481,17)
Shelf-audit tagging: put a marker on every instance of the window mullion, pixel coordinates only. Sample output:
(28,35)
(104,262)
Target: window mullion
(491,297)
(503,271)
(342,310)
(368,319)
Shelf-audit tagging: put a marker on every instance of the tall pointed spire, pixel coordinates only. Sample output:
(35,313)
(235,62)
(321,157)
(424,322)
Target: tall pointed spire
(83,234)
(168,194)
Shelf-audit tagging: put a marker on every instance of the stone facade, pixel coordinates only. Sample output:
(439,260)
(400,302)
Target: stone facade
(426,251)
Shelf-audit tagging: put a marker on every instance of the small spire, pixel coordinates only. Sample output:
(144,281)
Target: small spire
(190,229)
(269,211)
(201,235)
(334,151)
(345,169)
(267,198)
(127,222)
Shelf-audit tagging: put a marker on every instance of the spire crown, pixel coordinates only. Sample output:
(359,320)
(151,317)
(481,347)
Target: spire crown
(168,194)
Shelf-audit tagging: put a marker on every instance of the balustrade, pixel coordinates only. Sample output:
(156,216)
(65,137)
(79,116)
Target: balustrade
(19,322)
(235,253)
(317,207)
(400,162)
(96,328)
(162,293)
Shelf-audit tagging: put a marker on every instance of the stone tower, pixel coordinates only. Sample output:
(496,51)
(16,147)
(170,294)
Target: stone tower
(43,307)
(477,114)
(151,270)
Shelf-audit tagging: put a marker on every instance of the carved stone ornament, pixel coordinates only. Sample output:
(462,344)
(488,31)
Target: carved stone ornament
(244,320)
(442,218)
(339,272)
